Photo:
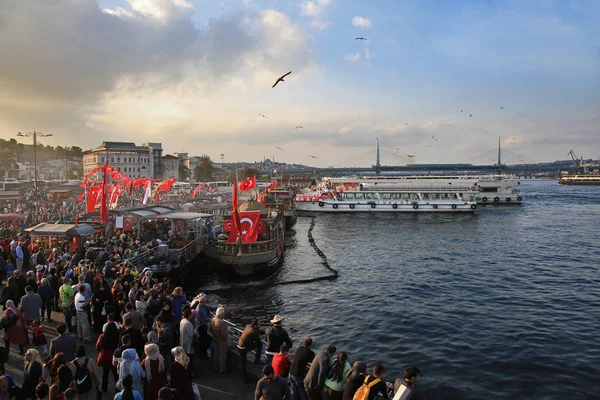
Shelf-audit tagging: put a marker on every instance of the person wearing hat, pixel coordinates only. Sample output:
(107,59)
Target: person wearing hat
(275,337)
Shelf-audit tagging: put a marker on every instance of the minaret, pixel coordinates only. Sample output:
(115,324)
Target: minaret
(378,163)
(499,156)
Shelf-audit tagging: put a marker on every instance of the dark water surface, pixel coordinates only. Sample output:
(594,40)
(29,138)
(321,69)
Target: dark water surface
(502,304)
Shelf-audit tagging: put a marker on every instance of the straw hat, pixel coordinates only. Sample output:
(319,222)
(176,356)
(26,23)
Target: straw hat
(276,319)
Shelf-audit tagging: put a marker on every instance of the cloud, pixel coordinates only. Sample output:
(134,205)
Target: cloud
(368,54)
(352,57)
(361,22)
(315,11)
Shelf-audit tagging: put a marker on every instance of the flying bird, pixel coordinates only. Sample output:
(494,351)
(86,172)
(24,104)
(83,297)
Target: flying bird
(395,150)
(470,115)
(433,137)
(280,79)
(279,148)
(406,124)
(360,38)
(410,155)
(312,156)
(299,127)
(262,115)
(461,110)
(502,108)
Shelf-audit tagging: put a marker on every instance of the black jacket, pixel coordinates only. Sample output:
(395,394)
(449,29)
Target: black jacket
(276,336)
(302,357)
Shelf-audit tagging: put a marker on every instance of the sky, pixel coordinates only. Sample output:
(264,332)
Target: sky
(195,74)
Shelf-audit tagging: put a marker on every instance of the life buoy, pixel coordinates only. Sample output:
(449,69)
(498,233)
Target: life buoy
(519,198)
(329,195)
(508,199)
(435,206)
(321,204)
(323,196)
(496,199)
(352,206)
(454,206)
(415,206)
(395,206)
(473,206)
(373,206)
(484,199)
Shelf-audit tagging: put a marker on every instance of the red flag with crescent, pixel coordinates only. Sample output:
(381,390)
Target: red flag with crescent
(249,226)
(248,184)
(272,185)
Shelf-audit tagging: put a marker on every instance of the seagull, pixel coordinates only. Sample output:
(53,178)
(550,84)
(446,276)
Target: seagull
(312,156)
(299,127)
(433,137)
(410,155)
(470,115)
(395,150)
(280,79)
(406,124)
(502,108)
(461,110)
(262,115)
(360,38)
(279,148)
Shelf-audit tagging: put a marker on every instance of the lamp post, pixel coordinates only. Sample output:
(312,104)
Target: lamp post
(35,186)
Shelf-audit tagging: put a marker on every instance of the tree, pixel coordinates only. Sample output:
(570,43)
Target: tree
(205,169)
(75,172)
(248,172)
(184,173)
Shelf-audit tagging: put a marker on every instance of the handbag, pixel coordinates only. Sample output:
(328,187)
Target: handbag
(103,313)
(196,392)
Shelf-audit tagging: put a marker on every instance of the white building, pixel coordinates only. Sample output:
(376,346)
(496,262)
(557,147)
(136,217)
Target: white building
(170,167)
(126,157)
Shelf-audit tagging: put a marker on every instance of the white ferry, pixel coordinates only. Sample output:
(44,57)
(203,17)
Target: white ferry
(368,197)
(491,189)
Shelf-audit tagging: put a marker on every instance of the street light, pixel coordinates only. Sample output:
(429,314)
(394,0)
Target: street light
(35,135)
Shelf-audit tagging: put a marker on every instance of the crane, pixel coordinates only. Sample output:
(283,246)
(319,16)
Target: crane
(575,159)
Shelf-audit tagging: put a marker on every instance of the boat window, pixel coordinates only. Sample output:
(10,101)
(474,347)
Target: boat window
(425,195)
(349,196)
(360,196)
(369,196)
(489,189)
(386,196)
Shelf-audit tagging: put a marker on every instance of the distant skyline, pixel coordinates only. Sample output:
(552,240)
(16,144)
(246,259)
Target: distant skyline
(195,75)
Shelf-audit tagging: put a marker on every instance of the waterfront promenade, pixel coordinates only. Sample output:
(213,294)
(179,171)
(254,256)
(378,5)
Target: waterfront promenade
(213,386)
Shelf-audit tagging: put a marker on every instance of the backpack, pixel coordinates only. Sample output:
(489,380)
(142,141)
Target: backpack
(363,392)
(82,377)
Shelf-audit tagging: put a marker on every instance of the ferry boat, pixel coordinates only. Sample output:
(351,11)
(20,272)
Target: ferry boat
(389,197)
(282,196)
(491,189)
(580,180)
(264,253)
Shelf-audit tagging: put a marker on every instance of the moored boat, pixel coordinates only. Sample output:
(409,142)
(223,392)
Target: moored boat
(580,180)
(260,243)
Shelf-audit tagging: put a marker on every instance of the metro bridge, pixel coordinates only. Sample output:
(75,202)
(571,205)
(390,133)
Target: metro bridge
(380,161)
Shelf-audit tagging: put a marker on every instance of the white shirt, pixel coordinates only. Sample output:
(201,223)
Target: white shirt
(106,324)
(79,301)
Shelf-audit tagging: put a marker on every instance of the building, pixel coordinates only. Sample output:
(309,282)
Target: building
(143,161)
(170,166)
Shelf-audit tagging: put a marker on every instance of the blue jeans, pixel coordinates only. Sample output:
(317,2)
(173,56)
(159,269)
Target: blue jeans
(68,315)
(297,387)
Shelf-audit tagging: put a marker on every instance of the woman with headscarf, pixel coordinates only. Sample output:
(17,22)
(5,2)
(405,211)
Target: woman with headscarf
(128,393)
(152,337)
(64,381)
(181,375)
(34,368)
(17,332)
(354,379)
(106,345)
(101,299)
(131,365)
(154,364)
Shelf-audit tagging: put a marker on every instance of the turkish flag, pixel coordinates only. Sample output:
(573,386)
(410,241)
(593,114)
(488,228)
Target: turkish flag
(272,185)
(249,226)
(248,184)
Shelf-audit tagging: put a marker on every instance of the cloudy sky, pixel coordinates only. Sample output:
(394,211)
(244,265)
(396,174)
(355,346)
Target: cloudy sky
(195,74)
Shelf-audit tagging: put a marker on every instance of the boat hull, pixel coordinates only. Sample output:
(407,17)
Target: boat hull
(580,183)
(421,207)
(252,263)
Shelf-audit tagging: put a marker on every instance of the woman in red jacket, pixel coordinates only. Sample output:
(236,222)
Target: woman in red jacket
(106,345)
(17,332)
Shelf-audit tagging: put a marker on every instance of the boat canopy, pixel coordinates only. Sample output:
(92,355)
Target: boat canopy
(60,230)
(185,216)
(145,212)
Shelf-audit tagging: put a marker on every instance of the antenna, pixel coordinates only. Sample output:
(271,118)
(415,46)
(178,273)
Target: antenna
(377,163)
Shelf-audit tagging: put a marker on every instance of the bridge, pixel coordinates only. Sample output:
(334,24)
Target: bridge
(380,161)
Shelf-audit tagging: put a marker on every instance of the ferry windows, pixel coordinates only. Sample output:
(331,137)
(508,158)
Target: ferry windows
(349,196)
(369,196)
(360,196)
(386,196)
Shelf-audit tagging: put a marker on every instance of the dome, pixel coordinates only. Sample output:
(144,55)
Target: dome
(253,205)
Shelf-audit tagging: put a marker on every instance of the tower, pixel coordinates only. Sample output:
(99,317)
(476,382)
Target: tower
(378,163)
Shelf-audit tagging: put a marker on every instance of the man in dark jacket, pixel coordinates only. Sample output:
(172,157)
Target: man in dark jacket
(302,357)
(407,386)
(276,336)
(63,344)
(249,340)
(319,369)
(379,387)
(137,339)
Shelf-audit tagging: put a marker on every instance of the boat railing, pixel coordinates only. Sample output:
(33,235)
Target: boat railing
(141,258)
(248,248)
(191,250)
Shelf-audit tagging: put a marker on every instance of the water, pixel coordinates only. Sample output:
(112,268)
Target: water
(499,304)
